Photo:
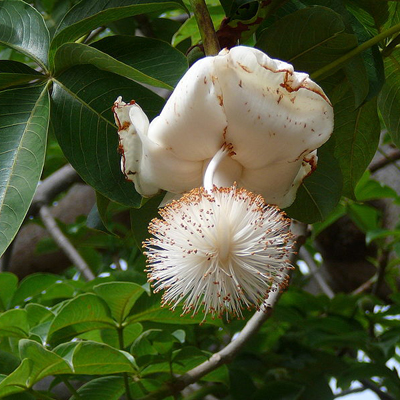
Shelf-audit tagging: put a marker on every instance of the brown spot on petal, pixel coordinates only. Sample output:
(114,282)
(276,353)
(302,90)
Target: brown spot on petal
(244,68)
(224,133)
(313,164)
(240,83)
(125,126)
(220,100)
(306,151)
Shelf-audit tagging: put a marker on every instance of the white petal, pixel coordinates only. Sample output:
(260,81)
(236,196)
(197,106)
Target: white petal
(193,122)
(273,113)
(149,165)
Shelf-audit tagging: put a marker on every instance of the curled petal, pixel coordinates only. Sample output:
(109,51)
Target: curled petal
(272,117)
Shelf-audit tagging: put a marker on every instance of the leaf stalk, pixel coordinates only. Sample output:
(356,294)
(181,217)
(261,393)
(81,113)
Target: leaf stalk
(359,49)
(206,27)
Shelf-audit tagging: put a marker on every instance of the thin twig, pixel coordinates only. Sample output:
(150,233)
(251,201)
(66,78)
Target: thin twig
(377,390)
(382,264)
(387,159)
(316,273)
(350,391)
(64,244)
(365,286)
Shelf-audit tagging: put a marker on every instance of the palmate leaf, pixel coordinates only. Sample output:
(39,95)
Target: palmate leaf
(84,125)
(105,388)
(24,119)
(44,362)
(14,323)
(120,297)
(23,28)
(148,308)
(13,73)
(88,15)
(92,358)
(16,381)
(32,286)
(82,314)
(389,99)
(145,60)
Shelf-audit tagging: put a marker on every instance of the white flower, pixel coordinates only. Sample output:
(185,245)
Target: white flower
(218,250)
(274,118)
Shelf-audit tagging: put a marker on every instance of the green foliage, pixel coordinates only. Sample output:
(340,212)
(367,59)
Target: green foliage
(63,64)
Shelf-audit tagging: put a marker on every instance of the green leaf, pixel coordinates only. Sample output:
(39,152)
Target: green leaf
(14,323)
(81,314)
(130,333)
(365,217)
(104,388)
(153,342)
(8,285)
(8,362)
(150,61)
(370,189)
(140,218)
(120,297)
(320,193)
(357,136)
(24,119)
(37,314)
(88,15)
(32,286)
(94,219)
(92,358)
(389,99)
(373,62)
(189,28)
(309,49)
(23,29)
(186,359)
(148,308)
(44,362)
(13,73)
(85,95)
(16,381)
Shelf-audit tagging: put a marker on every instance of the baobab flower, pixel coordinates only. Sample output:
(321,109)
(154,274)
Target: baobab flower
(218,250)
(275,119)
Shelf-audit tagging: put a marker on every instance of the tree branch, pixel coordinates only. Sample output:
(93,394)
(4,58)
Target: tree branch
(63,242)
(52,186)
(377,390)
(316,273)
(387,159)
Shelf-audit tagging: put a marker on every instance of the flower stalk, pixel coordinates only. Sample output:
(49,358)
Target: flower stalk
(206,27)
